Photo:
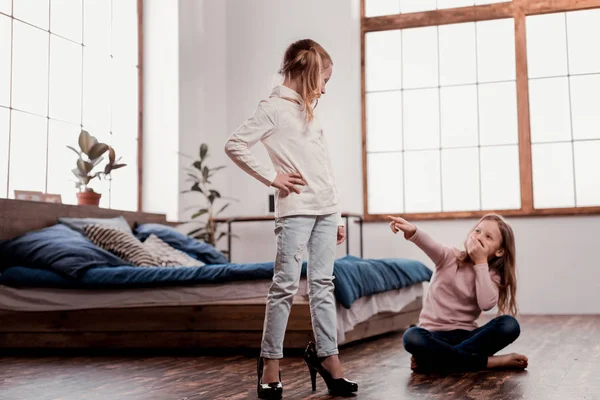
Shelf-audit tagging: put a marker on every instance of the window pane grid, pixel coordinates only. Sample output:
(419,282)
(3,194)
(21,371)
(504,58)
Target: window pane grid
(481,146)
(570,114)
(70,37)
(535,78)
(479,149)
(458,85)
(42,29)
(564,103)
(6,7)
(439,78)
(563,99)
(418,100)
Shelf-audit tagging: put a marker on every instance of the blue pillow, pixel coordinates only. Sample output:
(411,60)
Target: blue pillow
(199,250)
(58,248)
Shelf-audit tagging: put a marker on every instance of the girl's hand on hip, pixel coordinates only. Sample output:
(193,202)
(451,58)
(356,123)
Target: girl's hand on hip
(400,224)
(341,234)
(288,182)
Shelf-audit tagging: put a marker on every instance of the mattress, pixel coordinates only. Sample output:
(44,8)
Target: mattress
(354,277)
(244,292)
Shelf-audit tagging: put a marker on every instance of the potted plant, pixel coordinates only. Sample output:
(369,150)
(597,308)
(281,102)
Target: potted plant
(200,176)
(91,154)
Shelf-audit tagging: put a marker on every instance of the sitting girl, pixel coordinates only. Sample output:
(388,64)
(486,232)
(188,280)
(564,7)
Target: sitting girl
(466,283)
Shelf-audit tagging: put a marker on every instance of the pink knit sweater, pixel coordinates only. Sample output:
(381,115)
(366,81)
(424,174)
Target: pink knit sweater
(457,294)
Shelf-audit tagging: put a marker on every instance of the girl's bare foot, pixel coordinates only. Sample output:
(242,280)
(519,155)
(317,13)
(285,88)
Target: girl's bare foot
(270,371)
(333,366)
(413,364)
(513,360)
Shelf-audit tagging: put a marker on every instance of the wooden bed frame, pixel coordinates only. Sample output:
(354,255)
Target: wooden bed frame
(214,326)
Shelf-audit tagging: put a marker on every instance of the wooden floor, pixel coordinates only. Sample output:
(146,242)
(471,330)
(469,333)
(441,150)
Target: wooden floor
(564,364)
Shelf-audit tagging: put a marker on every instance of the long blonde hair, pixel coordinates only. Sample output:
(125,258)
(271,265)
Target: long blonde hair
(304,60)
(504,265)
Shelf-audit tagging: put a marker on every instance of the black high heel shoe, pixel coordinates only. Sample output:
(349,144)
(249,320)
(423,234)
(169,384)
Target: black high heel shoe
(267,391)
(337,387)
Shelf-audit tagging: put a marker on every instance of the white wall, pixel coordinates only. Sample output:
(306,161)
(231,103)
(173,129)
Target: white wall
(184,98)
(558,271)
(202,95)
(192,76)
(557,266)
(258,33)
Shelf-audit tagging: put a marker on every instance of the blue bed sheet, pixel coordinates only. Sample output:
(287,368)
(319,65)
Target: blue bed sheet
(354,277)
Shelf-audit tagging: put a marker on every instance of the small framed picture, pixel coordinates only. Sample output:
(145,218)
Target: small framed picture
(29,195)
(52,198)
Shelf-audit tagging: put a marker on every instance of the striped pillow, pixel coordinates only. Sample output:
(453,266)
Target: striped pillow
(121,243)
(167,255)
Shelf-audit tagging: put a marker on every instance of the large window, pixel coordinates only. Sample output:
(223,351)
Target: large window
(564,97)
(67,65)
(479,107)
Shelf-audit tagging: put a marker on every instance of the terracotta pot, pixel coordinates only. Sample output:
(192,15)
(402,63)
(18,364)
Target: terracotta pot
(90,198)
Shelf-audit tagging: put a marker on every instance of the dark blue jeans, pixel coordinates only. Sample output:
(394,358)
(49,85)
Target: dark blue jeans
(460,350)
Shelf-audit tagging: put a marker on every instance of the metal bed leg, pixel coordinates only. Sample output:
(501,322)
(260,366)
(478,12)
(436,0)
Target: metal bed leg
(360,227)
(229,240)
(347,236)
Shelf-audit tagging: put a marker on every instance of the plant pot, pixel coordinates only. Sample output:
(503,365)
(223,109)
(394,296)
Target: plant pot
(89,198)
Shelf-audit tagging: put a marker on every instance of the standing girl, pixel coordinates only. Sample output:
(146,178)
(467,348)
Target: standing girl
(306,210)
(466,283)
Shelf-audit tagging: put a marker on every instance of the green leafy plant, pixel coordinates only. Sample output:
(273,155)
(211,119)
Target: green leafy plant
(200,175)
(91,154)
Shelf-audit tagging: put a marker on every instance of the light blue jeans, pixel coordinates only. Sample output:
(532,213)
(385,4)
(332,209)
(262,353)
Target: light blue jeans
(295,234)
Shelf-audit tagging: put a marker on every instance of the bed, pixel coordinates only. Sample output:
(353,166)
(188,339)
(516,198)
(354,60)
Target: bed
(82,313)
